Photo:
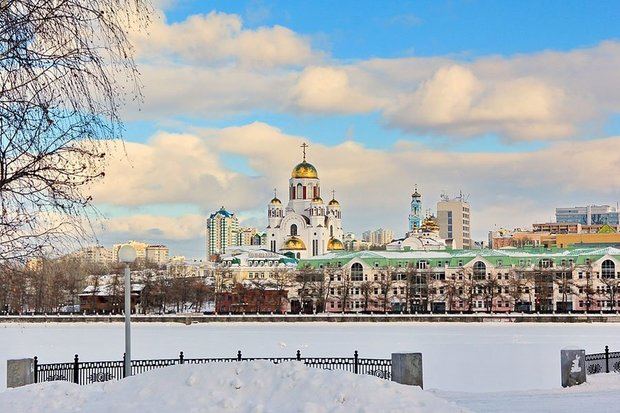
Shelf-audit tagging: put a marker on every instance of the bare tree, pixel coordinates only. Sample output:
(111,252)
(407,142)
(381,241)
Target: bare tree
(66,68)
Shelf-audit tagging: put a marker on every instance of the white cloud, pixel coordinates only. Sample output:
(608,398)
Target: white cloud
(373,185)
(218,38)
(327,89)
(210,66)
(155,227)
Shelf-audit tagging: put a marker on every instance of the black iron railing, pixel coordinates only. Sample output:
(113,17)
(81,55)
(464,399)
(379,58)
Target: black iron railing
(603,362)
(81,372)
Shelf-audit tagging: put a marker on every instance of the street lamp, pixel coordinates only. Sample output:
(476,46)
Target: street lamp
(127,255)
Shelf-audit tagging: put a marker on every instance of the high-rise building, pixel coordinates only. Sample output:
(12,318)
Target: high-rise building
(140,248)
(379,236)
(246,235)
(454,220)
(96,254)
(588,215)
(155,253)
(415,216)
(222,232)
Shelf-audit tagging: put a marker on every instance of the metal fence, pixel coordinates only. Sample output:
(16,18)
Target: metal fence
(86,372)
(603,362)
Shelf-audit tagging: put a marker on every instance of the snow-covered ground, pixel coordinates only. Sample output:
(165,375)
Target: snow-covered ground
(601,394)
(249,387)
(471,357)
(260,386)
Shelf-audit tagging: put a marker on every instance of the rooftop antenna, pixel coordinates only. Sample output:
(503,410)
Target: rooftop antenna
(303,148)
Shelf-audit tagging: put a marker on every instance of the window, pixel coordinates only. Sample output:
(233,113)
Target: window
(480,270)
(608,269)
(357,272)
(294,229)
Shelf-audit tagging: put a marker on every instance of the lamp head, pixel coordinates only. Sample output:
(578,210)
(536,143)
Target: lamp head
(127,254)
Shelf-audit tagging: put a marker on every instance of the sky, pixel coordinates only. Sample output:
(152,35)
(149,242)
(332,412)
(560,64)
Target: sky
(516,104)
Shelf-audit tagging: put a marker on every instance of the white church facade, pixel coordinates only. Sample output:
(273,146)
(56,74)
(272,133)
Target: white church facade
(306,226)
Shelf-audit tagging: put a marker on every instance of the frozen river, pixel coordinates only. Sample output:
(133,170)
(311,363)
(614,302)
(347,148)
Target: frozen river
(470,357)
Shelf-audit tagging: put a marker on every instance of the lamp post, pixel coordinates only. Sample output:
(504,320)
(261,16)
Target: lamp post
(127,255)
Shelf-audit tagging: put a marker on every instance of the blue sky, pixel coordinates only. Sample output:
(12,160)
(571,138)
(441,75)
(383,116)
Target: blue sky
(363,29)
(489,97)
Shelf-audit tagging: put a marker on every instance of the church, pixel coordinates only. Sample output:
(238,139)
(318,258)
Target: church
(307,226)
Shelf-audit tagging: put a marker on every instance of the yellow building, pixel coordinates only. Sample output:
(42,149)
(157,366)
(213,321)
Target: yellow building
(605,235)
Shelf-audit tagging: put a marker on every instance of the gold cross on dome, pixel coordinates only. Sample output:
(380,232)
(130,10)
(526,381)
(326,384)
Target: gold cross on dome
(333,194)
(303,148)
(275,193)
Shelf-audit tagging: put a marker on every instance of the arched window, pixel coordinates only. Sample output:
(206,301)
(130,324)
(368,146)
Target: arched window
(480,269)
(608,269)
(300,191)
(357,272)
(294,229)
(331,231)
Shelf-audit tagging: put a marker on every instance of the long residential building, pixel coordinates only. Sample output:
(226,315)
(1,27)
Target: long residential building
(581,279)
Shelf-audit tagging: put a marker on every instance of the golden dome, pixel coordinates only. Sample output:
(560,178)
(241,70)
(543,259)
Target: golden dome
(275,201)
(334,245)
(294,244)
(430,225)
(304,170)
(333,202)
(317,200)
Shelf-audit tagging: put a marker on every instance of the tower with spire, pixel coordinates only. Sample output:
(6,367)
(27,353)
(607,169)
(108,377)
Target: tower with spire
(415,216)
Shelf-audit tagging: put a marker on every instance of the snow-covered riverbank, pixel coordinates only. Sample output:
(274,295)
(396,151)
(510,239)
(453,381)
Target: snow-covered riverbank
(470,357)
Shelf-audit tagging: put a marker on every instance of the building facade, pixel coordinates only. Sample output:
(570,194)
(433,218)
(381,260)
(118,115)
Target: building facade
(378,237)
(582,279)
(454,219)
(306,226)
(222,232)
(588,215)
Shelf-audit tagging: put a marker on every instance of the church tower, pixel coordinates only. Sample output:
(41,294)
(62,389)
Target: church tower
(415,216)
(306,227)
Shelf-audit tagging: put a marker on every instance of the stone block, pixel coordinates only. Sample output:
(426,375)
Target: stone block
(19,372)
(573,364)
(407,368)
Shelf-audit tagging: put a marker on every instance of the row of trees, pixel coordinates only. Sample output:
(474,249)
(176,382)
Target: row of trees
(411,289)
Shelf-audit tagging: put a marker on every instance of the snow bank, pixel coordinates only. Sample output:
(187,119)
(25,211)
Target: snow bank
(601,393)
(258,386)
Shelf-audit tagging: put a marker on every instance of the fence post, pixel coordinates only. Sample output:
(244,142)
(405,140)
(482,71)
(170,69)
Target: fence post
(606,359)
(407,369)
(298,355)
(573,363)
(239,355)
(19,372)
(36,369)
(355,360)
(181,357)
(76,375)
(124,361)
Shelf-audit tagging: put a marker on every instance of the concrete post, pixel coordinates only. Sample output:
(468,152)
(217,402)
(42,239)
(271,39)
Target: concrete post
(573,364)
(407,368)
(19,372)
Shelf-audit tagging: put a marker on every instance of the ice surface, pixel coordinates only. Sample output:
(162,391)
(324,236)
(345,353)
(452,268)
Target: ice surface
(472,357)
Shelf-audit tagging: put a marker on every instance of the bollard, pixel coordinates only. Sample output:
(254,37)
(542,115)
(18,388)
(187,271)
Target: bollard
(573,364)
(19,372)
(407,369)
